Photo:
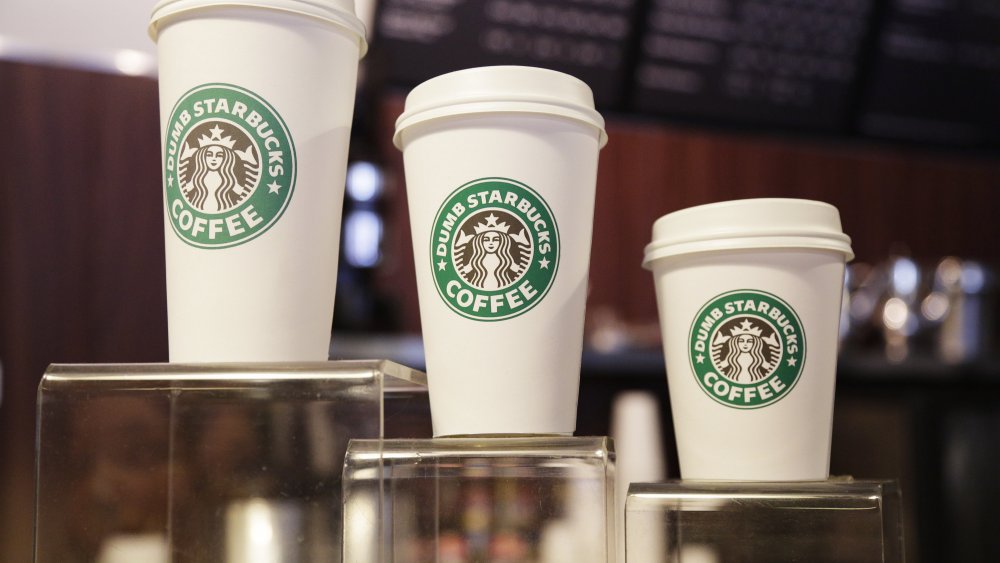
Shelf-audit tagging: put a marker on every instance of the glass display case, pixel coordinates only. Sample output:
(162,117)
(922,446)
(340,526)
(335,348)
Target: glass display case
(332,461)
(208,463)
(835,521)
(502,499)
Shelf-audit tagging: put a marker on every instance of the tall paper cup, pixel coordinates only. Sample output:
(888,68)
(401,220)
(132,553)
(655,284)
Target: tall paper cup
(749,300)
(256,100)
(501,167)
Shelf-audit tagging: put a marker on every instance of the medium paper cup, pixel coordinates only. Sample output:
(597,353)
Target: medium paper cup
(256,101)
(501,167)
(749,299)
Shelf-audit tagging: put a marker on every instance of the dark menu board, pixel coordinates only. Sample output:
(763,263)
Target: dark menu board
(936,73)
(419,39)
(784,63)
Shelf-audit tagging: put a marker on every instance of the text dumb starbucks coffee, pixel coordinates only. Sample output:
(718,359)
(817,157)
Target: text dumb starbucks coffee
(510,300)
(747,348)
(229,166)
(494,249)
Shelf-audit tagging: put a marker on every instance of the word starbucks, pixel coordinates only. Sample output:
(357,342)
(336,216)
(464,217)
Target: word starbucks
(747,348)
(494,249)
(229,166)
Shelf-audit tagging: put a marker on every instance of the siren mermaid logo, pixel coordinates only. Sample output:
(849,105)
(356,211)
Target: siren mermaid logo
(747,348)
(494,249)
(229,166)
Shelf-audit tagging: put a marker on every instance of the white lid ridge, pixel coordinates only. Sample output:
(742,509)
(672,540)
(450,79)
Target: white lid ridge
(748,224)
(339,12)
(500,89)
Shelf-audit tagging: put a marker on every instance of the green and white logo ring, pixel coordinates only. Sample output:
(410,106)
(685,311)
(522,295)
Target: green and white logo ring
(747,348)
(494,249)
(229,166)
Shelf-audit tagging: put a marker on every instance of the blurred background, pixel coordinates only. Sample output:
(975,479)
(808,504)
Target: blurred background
(885,108)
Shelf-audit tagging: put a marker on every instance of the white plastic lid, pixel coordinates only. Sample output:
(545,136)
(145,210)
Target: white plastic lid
(338,12)
(500,89)
(748,224)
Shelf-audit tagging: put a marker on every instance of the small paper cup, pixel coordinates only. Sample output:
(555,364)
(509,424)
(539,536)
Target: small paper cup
(749,296)
(501,167)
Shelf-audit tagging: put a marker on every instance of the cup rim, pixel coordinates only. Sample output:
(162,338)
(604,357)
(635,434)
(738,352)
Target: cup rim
(693,230)
(531,99)
(335,12)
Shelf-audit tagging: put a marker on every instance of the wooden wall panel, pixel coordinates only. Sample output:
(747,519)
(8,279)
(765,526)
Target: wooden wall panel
(396,275)
(81,248)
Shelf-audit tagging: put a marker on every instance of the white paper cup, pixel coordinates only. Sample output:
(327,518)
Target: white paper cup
(501,166)
(749,299)
(256,101)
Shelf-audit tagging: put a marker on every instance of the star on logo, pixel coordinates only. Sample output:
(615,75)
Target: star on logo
(216,132)
(492,223)
(170,180)
(273,187)
(791,362)
(700,359)
(441,265)
(544,263)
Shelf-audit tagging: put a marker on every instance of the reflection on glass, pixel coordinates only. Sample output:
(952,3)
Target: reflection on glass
(132,548)
(264,531)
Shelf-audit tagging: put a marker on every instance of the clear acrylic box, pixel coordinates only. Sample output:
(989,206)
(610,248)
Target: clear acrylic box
(208,463)
(501,499)
(840,520)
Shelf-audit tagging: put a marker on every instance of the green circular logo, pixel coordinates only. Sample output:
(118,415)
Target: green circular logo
(494,249)
(229,166)
(747,348)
